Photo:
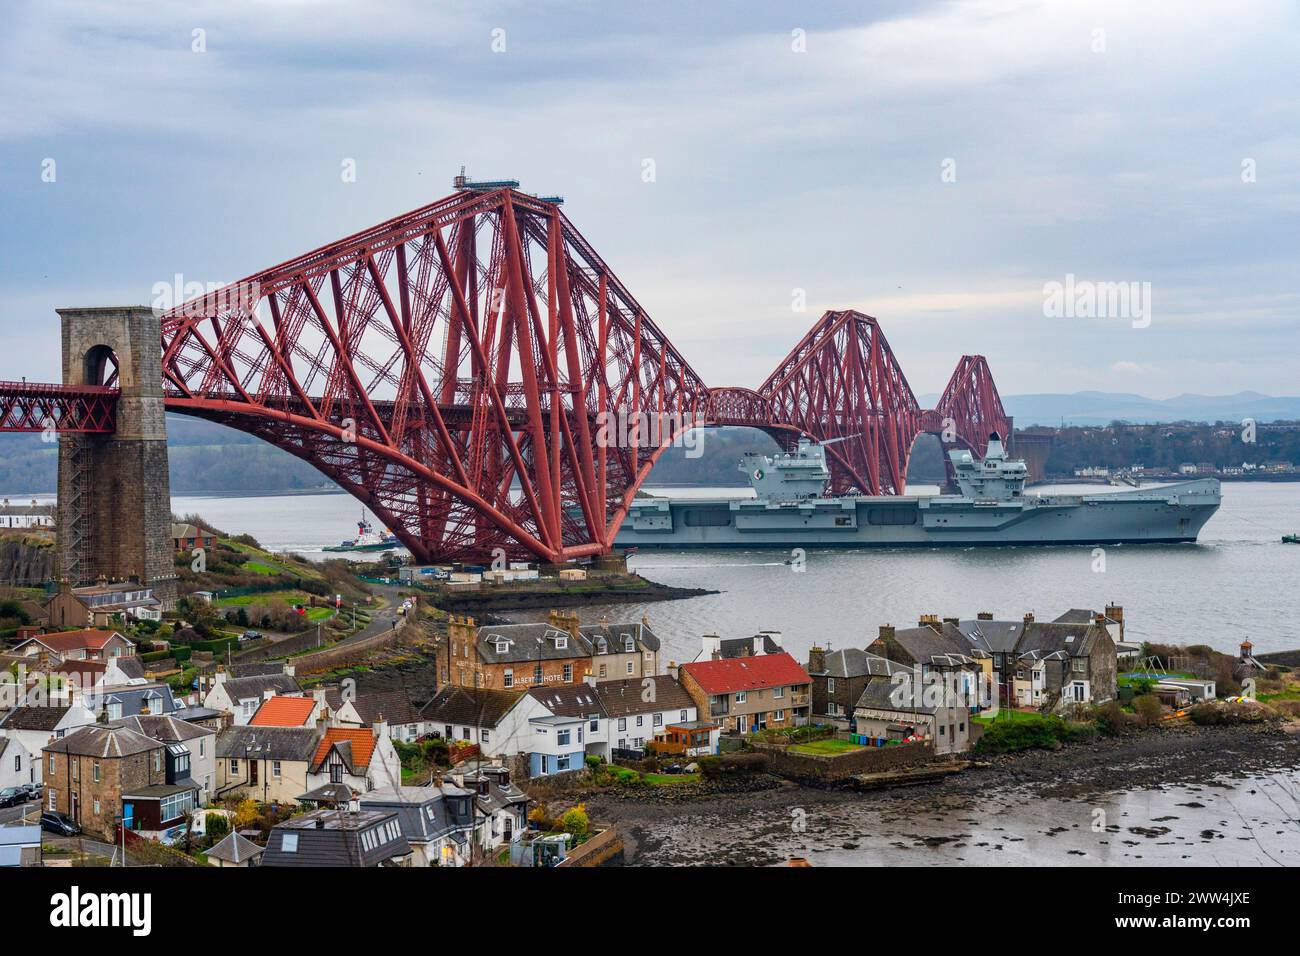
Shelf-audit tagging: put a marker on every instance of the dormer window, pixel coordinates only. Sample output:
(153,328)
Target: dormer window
(629,645)
(561,643)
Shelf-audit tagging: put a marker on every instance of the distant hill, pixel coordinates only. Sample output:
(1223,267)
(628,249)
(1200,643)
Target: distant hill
(1102,408)
(204,458)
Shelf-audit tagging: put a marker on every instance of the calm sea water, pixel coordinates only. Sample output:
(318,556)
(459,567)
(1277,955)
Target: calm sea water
(1238,582)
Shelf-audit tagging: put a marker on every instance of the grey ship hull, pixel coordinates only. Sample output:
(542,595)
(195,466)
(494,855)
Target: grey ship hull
(1166,514)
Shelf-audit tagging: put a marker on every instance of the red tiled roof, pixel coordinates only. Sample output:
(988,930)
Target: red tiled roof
(747,673)
(85,639)
(363,744)
(284,712)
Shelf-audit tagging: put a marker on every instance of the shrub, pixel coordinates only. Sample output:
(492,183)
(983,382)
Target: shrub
(1142,686)
(576,823)
(216,825)
(247,813)
(1217,713)
(1110,718)
(1148,709)
(1033,731)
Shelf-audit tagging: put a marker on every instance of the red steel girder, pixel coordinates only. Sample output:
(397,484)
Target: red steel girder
(451,368)
(37,407)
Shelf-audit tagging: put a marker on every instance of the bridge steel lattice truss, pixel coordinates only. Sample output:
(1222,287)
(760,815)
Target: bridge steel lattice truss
(477,375)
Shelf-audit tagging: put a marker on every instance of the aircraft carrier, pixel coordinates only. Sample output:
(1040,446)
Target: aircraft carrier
(992,509)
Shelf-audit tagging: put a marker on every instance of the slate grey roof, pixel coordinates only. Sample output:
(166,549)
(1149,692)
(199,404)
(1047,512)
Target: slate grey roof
(394,706)
(995,637)
(1077,615)
(470,706)
(256,669)
(423,812)
(268,743)
(886,695)
(1073,639)
(30,717)
(528,643)
(567,700)
(242,688)
(132,667)
(133,699)
(851,662)
(925,645)
(98,740)
(329,793)
(233,848)
(164,727)
(619,698)
(614,637)
(333,838)
(744,646)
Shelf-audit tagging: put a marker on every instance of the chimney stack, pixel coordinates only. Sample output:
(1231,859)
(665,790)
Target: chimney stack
(564,621)
(1029,617)
(984,616)
(672,669)
(816,659)
(929,620)
(886,632)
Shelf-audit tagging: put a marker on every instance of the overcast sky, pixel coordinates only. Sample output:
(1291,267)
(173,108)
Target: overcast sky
(932,164)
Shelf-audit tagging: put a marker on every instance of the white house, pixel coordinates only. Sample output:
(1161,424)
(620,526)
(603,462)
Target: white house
(639,708)
(35,725)
(364,758)
(241,696)
(26,516)
(16,763)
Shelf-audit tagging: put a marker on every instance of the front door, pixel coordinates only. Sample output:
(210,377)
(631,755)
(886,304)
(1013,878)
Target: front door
(252,771)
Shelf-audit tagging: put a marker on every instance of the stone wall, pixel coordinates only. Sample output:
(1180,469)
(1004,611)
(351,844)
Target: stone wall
(600,849)
(825,769)
(344,653)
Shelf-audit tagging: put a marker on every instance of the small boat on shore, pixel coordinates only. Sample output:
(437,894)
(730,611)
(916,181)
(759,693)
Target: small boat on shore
(1291,539)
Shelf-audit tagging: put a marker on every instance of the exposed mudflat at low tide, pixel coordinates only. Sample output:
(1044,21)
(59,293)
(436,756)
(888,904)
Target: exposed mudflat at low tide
(1221,796)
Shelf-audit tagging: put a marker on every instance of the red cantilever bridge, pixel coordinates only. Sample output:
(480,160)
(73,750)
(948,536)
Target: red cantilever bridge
(452,369)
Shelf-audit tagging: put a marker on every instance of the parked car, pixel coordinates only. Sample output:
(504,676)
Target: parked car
(59,823)
(12,796)
(34,790)
(249,636)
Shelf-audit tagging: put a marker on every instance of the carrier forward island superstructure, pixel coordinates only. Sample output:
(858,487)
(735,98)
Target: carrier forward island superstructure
(992,508)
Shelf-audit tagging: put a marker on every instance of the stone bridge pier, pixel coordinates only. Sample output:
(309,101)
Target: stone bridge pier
(114,511)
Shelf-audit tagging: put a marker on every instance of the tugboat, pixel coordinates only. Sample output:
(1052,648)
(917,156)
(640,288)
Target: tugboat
(367,539)
(1291,539)
(991,508)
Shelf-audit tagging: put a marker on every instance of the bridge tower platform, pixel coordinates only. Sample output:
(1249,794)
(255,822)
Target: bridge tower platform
(114,511)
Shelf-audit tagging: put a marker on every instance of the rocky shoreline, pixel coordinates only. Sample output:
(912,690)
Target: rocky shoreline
(651,820)
(516,598)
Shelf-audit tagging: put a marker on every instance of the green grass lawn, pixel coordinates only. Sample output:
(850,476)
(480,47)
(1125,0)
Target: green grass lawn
(669,779)
(829,747)
(292,596)
(1006,714)
(266,560)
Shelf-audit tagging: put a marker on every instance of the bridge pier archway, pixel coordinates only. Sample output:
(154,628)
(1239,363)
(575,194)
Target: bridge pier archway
(114,506)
